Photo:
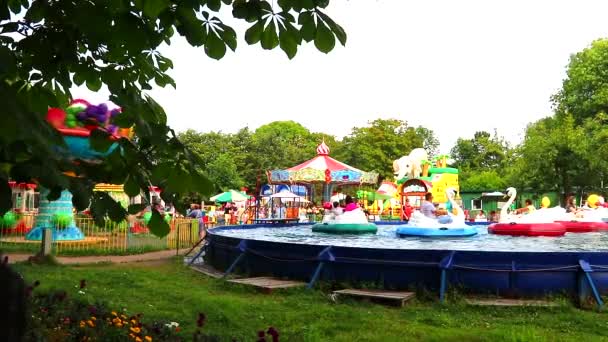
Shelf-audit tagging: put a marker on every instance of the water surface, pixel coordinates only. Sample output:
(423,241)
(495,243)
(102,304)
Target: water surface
(387,238)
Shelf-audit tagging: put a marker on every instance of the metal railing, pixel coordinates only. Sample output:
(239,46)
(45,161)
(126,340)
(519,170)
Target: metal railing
(109,238)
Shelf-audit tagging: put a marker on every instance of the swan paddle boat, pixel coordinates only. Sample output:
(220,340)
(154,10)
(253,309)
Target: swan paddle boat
(587,220)
(541,222)
(422,226)
(350,222)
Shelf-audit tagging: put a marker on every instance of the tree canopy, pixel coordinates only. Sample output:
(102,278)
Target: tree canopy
(48,47)
(375,147)
(584,93)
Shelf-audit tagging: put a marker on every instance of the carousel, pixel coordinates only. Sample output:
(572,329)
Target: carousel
(324,170)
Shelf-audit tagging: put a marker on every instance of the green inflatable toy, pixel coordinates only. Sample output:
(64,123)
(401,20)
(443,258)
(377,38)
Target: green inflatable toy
(8,220)
(345,228)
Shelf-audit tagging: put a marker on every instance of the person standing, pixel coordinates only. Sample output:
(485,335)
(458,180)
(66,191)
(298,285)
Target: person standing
(227,215)
(198,214)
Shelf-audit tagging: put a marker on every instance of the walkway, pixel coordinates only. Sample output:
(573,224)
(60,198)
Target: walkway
(12,258)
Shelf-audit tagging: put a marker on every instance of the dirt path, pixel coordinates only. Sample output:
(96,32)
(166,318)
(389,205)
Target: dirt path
(12,258)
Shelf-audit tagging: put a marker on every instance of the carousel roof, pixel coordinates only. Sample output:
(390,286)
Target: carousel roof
(322,169)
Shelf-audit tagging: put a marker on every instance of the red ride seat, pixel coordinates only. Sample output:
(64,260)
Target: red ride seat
(527,229)
(583,227)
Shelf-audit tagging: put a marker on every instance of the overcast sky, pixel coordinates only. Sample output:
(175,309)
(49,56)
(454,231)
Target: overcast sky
(455,67)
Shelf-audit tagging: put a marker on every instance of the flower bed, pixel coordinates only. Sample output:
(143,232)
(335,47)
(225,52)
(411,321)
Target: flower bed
(60,315)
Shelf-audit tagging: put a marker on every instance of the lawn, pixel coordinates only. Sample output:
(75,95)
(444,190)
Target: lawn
(170,291)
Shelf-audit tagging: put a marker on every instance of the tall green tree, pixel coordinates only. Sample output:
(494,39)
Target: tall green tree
(282,144)
(376,146)
(553,156)
(48,47)
(584,92)
(223,172)
(483,152)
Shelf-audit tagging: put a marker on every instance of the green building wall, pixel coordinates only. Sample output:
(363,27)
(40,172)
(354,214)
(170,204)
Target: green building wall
(490,204)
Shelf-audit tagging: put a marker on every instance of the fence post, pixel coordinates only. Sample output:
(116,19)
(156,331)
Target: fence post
(47,241)
(177,238)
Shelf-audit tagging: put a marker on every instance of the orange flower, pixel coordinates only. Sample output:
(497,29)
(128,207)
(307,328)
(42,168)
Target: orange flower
(137,339)
(133,322)
(132,336)
(93,318)
(114,313)
(119,325)
(135,330)
(123,316)
(82,324)
(148,339)
(91,324)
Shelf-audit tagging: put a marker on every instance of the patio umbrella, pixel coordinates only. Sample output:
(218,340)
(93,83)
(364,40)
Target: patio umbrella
(230,196)
(288,196)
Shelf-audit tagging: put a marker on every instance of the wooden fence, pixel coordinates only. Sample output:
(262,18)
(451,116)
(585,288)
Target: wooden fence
(111,238)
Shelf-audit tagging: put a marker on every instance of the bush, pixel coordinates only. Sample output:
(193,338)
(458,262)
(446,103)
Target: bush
(9,220)
(61,220)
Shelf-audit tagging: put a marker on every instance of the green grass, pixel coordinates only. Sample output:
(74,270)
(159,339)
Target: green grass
(170,291)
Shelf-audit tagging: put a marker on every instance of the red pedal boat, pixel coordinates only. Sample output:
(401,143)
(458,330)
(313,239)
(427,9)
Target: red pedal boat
(527,229)
(583,227)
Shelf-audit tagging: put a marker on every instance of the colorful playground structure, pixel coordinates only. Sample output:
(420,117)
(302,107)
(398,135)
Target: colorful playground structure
(75,124)
(418,177)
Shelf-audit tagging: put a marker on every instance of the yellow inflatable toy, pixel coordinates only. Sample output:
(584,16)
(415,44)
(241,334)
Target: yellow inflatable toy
(593,200)
(545,202)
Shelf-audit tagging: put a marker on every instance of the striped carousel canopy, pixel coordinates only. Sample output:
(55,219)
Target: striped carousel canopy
(322,169)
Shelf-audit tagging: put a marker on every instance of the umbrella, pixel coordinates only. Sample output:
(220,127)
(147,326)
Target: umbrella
(492,194)
(288,196)
(230,196)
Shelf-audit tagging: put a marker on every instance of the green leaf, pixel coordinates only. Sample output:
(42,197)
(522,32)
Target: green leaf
(337,29)
(308,28)
(136,208)
(123,120)
(54,194)
(131,187)
(286,5)
(157,225)
(307,4)
(15,6)
(190,26)
(288,43)
(152,8)
(94,84)
(321,3)
(214,5)
(100,140)
(6,199)
(324,39)
(254,33)
(161,172)
(81,195)
(270,40)
(178,181)
(228,36)
(215,47)
(79,78)
(36,12)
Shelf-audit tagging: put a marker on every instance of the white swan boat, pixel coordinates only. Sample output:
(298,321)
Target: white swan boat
(421,225)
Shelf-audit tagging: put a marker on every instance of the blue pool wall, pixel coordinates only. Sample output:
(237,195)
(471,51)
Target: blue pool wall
(499,273)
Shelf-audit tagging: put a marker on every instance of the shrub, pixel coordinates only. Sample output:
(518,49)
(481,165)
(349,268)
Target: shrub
(61,220)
